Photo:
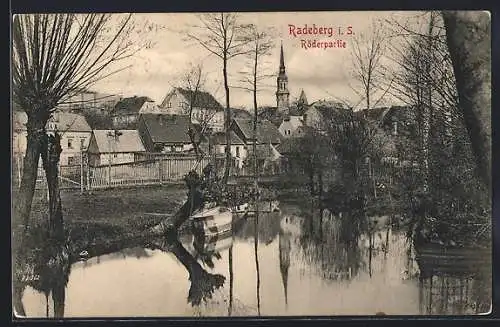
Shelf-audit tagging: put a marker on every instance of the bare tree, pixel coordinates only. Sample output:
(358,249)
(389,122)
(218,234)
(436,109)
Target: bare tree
(223,36)
(469,41)
(194,81)
(423,79)
(261,47)
(54,57)
(367,51)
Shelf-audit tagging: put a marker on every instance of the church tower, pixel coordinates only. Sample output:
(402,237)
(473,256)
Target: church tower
(282,94)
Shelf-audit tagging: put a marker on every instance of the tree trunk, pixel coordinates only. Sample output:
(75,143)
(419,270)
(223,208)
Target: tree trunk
(193,202)
(469,41)
(227,123)
(22,209)
(51,152)
(35,134)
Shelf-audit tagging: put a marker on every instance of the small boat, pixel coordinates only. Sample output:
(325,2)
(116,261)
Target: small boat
(212,223)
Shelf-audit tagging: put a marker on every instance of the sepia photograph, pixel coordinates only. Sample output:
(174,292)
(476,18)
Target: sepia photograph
(251,164)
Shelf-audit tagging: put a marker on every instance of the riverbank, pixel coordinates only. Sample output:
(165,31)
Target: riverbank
(105,219)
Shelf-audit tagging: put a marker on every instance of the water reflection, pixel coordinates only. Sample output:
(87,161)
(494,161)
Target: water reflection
(444,289)
(302,265)
(203,283)
(284,255)
(47,271)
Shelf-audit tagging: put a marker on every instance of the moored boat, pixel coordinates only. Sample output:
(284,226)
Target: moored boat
(213,222)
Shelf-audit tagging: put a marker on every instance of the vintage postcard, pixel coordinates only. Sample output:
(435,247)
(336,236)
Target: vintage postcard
(251,164)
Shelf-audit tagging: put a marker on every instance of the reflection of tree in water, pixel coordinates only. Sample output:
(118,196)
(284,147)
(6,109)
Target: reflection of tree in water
(335,252)
(46,269)
(268,228)
(203,284)
(284,257)
(457,288)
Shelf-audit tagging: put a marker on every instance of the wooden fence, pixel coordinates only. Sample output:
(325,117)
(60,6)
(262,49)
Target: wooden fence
(157,171)
(70,176)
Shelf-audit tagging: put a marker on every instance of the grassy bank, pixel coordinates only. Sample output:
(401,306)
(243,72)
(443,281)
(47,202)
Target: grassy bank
(106,219)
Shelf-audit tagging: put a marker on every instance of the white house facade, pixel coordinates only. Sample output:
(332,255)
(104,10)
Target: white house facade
(206,109)
(74,130)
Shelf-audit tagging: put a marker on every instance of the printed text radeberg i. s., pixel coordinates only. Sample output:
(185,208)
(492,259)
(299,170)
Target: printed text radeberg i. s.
(308,35)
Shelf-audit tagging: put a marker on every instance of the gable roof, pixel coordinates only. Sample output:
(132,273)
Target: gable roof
(130,105)
(303,98)
(167,128)
(220,138)
(384,114)
(202,99)
(64,121)
(124,141)
(267,132)
(329,109)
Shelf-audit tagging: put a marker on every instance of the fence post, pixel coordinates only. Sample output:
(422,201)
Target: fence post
(87,166)
(82,188)
(109,171)
(160,169)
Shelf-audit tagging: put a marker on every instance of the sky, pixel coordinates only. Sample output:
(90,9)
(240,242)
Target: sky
(322,73)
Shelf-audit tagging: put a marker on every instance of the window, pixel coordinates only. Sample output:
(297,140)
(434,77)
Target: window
(169,104)
(71,161)
(82,143)
(70,143)
(238,151)
(115,155)
(395,128)
(178,148)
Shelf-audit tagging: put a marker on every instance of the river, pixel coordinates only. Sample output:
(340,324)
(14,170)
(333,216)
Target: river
(296,268)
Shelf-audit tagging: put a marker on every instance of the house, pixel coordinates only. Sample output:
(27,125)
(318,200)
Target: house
(166,133)
(114,147)
(126,112)
(74,130)
(267,132)
(239,149)
(399,124)
(323,112)
(292,126)
(206,109)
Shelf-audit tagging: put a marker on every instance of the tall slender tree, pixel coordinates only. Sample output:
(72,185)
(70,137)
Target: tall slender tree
(223,36)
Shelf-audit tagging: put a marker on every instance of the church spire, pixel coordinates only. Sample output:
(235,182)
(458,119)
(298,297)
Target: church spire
(282,94)
(282,60)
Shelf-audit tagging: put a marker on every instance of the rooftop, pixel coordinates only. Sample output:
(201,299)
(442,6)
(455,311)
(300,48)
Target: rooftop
(118,141)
